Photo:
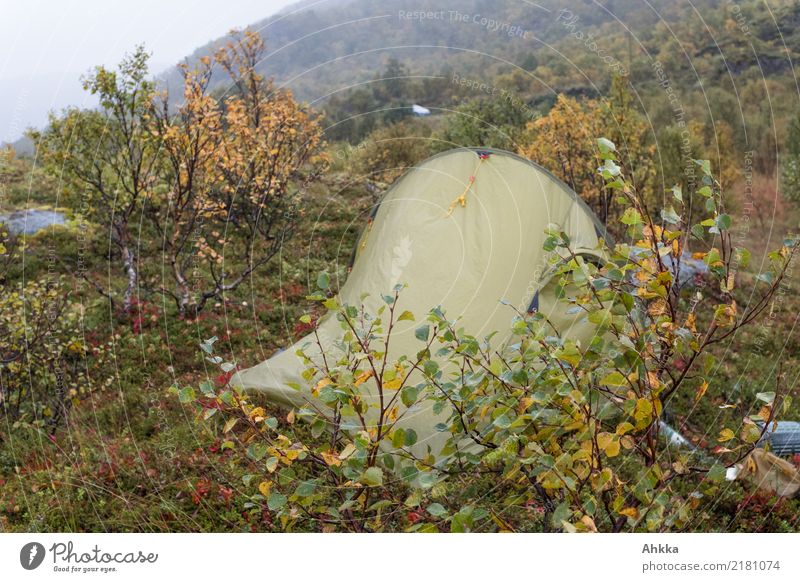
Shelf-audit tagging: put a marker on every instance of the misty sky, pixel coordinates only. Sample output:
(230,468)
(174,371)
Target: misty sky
(45,46)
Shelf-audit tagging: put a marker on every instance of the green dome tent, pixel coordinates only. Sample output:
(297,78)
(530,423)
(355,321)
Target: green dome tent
(463,230)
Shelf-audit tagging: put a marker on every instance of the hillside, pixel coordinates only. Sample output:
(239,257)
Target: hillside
(707,61)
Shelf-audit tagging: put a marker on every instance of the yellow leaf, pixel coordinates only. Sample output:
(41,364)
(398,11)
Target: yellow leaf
(604,439)
(393,384)
(691,323)
(624,428)
(320,385)
(725,435)
(643,411)
(750,433)
(331,458)
(229,425)
(256,412)
(501,523)
(630,512)
(264,488)
(406,316)
(701,391)
(524,404)
(363,377)
(324,382)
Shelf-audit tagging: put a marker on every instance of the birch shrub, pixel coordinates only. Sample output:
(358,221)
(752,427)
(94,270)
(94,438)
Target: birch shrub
(542,421)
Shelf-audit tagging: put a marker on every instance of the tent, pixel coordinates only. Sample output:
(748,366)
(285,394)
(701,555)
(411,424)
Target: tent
(463,230)
(419,110)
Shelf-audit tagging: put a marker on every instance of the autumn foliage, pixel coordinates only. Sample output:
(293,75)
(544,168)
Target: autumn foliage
(564,142)
(214,175)
(231,173)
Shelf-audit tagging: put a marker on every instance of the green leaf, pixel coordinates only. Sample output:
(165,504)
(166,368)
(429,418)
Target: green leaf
(409,395)
(427,479)
(421,333)
(372,477)
(406,316)
(323,280)
(743,256)
(562,513)
(257,451)
(631,216)
(614,379)
(570,355)
(670,216)
(767,397)
(208,345)
(705,166)
(606,145)
(723,222)
(398,438)
(502,421)
(305,489)
(276,501)
(436,510)
(186,395)
(717,473)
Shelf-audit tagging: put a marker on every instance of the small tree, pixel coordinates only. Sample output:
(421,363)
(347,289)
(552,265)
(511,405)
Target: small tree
(342,477)
(390,151)
(105,158)
(229,181)
(564,142)
(44,361)
(497,122)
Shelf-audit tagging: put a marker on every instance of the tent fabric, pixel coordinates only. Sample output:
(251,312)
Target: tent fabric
(772,474)
(463,230)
